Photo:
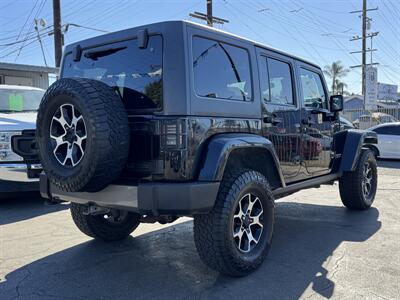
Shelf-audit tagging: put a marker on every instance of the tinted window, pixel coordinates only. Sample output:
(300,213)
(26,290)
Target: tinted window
(135,74)
(313,90)
(392,130)
(15,100)
(280,88)
(264,80)
(221,70)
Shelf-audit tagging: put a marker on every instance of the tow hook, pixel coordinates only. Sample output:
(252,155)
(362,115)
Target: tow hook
(93,210)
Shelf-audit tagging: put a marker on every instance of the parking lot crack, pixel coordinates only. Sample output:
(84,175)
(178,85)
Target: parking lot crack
(19,284)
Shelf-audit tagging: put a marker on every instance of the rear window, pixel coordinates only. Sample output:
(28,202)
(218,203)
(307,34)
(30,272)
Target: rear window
(221,70)
(134,73)
(19,100)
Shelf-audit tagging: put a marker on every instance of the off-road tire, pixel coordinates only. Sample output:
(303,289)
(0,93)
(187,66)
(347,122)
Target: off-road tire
(212,232)
(350,184)
(96,226)
(107,129)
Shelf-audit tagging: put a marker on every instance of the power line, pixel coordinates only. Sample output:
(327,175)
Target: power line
(314,19)
(7,5)
(30,29)
(16,50)
(66,26)
(27,19)
(31,37)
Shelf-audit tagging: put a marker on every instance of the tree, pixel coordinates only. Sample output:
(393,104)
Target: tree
(340,87)
(335,72)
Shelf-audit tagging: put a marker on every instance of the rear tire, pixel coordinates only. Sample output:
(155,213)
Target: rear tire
(99,227)
(358,188)
(221,236)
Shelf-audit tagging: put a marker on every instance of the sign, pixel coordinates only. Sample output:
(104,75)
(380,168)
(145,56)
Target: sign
(371,88)
(387,91)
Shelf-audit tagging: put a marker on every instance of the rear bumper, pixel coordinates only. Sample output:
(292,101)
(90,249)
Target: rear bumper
(15,177)
(145,198)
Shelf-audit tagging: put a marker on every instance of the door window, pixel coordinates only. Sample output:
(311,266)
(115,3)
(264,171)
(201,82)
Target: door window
(276,82)
(313,90)
(221,70)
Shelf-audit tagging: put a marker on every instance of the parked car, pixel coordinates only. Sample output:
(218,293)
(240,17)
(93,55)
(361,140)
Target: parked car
(367,121)
(178,119)
(388,140)
(18,109)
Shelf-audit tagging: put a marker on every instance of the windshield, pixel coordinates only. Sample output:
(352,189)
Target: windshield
(134,73)
(19,100)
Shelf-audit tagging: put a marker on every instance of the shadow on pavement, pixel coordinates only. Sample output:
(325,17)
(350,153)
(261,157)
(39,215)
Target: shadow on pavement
(23,206)
(389,163)
(164,264)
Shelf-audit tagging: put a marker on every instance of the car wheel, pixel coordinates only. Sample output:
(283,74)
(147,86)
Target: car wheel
(358,188)
(82,135)
(235,237)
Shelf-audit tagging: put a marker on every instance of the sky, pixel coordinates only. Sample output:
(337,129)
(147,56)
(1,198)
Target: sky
(317,30)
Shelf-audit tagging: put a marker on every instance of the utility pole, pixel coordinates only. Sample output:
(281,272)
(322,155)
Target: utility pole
(209,13)
(37,22)
(58,38)
(364,37)
(209,16)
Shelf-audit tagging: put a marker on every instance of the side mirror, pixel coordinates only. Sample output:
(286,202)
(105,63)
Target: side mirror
(336,103)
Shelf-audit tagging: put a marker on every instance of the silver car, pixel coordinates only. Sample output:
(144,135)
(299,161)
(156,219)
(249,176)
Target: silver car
(18,109)
(388,140)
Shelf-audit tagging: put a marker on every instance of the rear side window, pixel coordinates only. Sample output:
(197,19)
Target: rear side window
(276,82)
(392,130)
(134,73)
(221,70)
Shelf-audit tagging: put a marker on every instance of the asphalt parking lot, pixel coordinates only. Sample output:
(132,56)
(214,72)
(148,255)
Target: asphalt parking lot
(320,250)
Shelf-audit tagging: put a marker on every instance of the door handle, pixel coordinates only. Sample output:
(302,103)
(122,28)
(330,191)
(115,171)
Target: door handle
(308,122)
(272,120)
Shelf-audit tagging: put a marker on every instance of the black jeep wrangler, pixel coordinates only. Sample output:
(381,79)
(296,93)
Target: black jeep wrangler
(177,119)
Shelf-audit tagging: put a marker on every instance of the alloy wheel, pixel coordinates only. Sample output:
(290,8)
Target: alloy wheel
(68,135)
(248,223)
(366,182)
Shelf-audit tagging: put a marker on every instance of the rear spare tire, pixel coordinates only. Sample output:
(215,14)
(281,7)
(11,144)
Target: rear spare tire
(82,135)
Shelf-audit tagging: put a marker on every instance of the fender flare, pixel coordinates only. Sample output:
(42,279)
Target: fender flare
(354,141)
(221,146)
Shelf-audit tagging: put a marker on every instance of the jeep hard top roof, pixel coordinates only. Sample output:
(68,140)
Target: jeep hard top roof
(159,27)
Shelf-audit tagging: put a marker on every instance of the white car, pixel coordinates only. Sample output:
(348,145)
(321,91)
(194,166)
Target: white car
(388,140)
(18,109)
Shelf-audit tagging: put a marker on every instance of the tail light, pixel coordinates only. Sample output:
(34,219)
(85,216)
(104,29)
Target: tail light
(173,134)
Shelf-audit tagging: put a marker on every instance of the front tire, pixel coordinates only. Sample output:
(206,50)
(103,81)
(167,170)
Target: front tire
(110,227)
(235,237)
(358,188)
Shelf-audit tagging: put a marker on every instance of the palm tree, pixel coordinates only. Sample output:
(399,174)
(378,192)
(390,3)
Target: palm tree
(340,86)
(335,72)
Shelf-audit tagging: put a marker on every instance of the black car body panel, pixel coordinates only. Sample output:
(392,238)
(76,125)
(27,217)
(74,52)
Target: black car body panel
(355,140)
(221,147)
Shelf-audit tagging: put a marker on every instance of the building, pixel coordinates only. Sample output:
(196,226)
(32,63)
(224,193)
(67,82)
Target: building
(17,74)
(353,107)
